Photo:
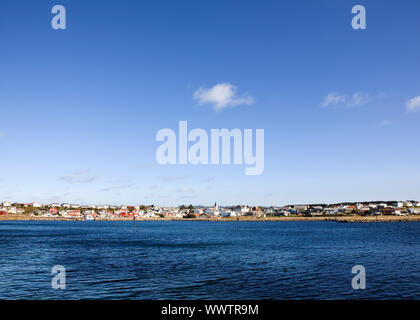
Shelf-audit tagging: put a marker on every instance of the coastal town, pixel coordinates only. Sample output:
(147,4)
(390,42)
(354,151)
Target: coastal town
(67,211)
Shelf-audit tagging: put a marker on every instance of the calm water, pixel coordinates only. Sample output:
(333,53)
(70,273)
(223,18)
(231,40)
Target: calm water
(209,260)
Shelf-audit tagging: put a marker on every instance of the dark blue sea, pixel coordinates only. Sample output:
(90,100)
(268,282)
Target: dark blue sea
(209,260)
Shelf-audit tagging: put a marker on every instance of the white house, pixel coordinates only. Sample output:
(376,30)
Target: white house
(242,210)
(408,204)
(269,211)
(6,204)
(212,212)
(300,207)
(36,205)
(399,204)
(12,210)
(228,213)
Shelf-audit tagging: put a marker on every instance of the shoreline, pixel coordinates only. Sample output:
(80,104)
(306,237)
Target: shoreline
(342,219)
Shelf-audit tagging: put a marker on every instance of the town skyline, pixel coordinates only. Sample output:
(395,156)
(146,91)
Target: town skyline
(410,209)
(212,204)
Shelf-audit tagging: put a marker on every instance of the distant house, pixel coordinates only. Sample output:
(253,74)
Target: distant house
(365,209)
(65,205)
(399,204)
(284,213)
(331,211)
(121,212)
(241,210)
(414,210)
(228,213)
(300,207)
(349,208)
(269,211)
(12,210)
(36,205)
(73,213)
(54,205)
(6,204)
(53,211)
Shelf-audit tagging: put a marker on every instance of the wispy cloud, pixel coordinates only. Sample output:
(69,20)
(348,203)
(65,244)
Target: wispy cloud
(222,95)
(82,176)
(335,99)
(185,190)
(413,104)
(115,187)
(358,99)
(170,178)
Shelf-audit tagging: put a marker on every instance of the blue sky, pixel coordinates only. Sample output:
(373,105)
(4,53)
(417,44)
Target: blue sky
(81,107)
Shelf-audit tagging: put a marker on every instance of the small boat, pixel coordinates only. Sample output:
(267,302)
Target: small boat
(89,218)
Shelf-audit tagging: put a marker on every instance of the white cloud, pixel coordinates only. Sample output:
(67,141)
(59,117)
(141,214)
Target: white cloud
(335,99)
(358,99)
(81,176)
(185,190)
(221,96)
(413,105)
